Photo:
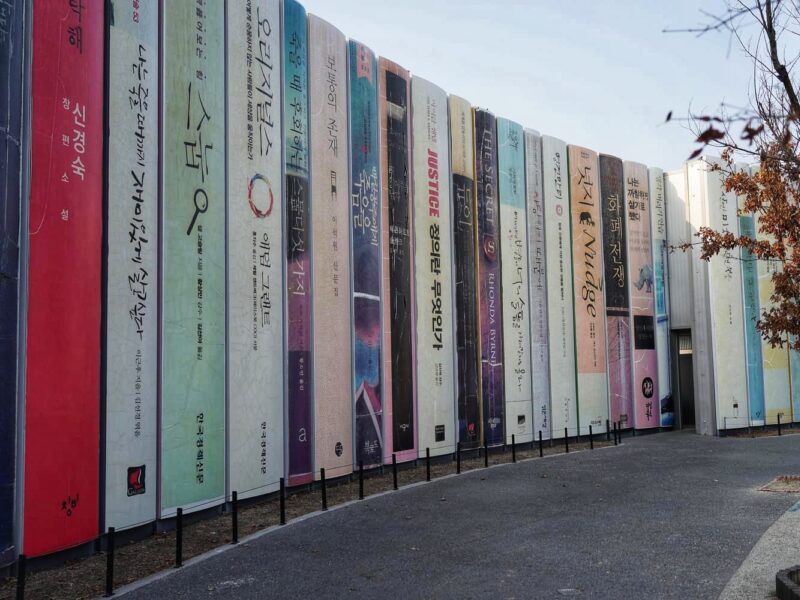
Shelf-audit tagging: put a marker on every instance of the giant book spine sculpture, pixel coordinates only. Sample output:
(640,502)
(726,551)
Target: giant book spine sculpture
(193,258)
(718,336)
(780,376)
(537,261)
(399,377)
(618,313)
(590,302)
(462,159)
(131,335)
(561,322)
(642,291)
(658,231)
(255,238)
(490,299)
(330,177)
(62,403)
(297,243)
(11,142)
(433,267)
(756,364)
(365,221)
(515,276)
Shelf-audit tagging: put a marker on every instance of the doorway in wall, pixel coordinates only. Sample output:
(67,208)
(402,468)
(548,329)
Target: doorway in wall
(682,343)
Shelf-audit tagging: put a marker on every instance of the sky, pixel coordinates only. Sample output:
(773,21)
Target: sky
(597,74)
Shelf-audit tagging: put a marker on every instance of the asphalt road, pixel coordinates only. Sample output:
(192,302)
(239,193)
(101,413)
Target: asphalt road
(663,516)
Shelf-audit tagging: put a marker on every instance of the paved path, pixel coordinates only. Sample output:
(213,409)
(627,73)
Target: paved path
(663,516)
(778,548)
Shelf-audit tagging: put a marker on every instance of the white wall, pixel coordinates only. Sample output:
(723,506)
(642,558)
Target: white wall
(679,267)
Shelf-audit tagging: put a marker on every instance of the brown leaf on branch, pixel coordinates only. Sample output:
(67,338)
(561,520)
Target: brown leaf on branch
(750,133)
(709,135)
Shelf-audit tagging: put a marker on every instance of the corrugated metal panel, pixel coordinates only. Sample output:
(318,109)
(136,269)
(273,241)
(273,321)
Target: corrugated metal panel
(679,268)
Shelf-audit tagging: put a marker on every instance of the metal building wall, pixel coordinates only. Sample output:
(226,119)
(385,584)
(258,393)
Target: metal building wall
(679,267)
(702,342)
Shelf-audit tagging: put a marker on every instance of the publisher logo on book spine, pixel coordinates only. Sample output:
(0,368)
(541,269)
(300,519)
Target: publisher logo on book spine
(136,480)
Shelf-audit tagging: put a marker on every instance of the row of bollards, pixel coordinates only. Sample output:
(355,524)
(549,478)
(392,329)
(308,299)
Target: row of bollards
(21,565)
(324,489)
(427,464)
(111,533)
(283,501)
(179,538)
(541,448)
(110,562)
(617,432)
(234,507)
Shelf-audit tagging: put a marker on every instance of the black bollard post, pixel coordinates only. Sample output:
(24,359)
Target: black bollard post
(633,430)
(513,448)
(615,434)
(591,438)
(394,471)
(608,431)
(21,565)
(361,480)
(234,517)
(283,501)
(485,454)
(541,449)
(427,464)
(179,539)
(458,458)
(566,440)
(323,489)
(779,423)
(110,563)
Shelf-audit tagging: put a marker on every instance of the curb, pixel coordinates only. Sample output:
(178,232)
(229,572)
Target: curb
(136,585)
